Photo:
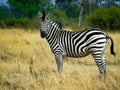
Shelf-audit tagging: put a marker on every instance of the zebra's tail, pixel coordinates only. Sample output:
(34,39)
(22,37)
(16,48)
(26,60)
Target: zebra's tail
(112,46)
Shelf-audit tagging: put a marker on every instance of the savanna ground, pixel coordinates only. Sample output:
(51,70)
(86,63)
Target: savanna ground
(26,63)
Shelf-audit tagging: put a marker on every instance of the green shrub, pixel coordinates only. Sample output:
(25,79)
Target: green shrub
(19,23)
(106,18)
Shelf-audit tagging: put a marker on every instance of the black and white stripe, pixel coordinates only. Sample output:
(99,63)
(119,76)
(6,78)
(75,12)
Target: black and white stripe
(75,44)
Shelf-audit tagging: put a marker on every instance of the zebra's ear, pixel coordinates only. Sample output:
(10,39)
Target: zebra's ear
(40,15)
(47,16)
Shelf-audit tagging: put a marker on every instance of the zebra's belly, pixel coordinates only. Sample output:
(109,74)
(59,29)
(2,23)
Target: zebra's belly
(77,56)
(77,53)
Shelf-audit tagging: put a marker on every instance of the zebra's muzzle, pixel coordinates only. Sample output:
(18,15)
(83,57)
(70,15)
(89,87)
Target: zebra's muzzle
(43,34)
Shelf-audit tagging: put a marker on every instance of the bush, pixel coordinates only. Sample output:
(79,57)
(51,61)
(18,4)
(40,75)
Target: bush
(106,18)
(19,23)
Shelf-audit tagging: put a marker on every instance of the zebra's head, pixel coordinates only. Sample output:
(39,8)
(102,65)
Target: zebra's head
(44,23)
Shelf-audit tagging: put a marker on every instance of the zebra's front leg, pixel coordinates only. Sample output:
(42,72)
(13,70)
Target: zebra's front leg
(59,61)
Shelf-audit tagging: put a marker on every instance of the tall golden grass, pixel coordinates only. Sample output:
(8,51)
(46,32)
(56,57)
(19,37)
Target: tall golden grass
(26,63)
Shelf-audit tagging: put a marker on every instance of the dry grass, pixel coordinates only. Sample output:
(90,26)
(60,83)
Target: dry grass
(26,63)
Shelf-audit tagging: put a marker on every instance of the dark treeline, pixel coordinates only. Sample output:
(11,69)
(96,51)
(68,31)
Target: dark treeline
(76,14)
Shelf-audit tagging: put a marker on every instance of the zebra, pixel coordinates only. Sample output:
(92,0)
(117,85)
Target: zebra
(75,44)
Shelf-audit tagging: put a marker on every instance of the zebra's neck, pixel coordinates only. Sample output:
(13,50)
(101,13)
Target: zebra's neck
(53,33)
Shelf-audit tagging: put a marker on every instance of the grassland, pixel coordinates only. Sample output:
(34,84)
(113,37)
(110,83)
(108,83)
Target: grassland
(26,63)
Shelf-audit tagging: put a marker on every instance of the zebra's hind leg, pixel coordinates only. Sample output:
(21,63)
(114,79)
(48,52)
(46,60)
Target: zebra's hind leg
(101,63)
(99,56)
(103,59)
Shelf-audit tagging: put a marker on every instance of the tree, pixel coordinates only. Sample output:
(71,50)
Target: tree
(4,13)
(28,8)
(69,6)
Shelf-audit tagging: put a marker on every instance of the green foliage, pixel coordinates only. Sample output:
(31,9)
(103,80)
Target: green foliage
(71,9)
(20,23)
(106,18)
(58,15)
(23,13)
(4,13)
(28,8)
(66,21)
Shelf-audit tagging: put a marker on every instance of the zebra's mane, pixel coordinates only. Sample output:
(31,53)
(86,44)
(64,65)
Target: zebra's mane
(43,17)
(59,23)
